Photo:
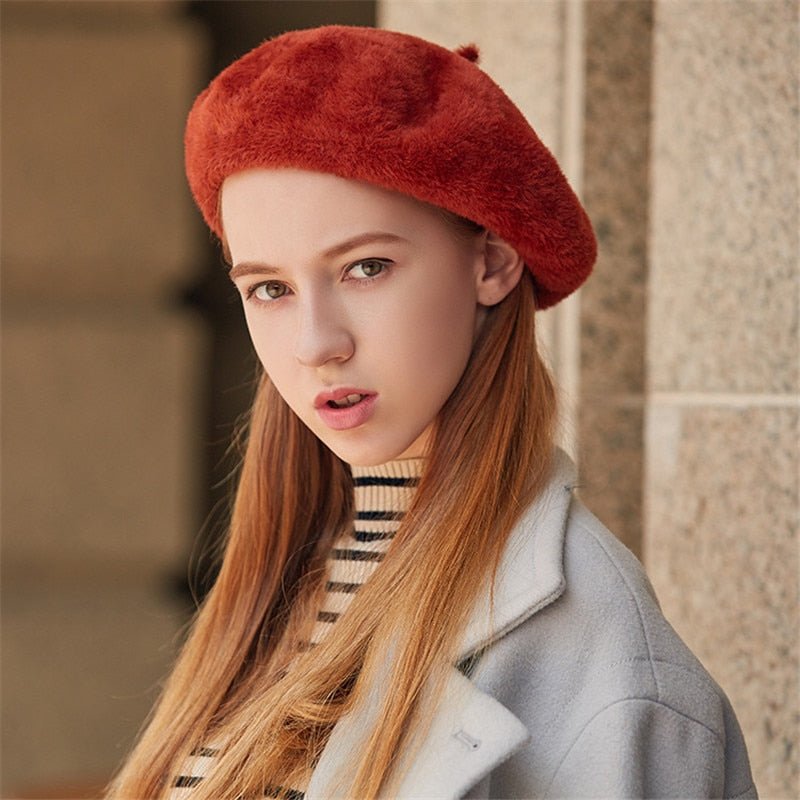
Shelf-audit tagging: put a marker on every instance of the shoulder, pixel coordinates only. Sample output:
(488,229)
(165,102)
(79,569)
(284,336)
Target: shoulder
(604,636)
(621,632)
(602,672)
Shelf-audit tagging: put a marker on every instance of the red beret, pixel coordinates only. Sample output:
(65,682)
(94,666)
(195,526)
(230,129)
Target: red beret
(398,112)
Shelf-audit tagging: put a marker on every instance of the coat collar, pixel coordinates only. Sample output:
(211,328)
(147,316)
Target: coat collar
(531,573)
(471,731)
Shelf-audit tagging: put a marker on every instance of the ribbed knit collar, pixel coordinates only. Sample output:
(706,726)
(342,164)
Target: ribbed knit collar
(385,491)
(398,468)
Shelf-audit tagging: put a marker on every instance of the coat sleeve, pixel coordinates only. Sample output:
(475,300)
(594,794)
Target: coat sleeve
(641,748)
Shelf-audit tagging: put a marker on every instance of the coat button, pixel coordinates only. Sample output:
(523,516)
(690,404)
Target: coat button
(465,739)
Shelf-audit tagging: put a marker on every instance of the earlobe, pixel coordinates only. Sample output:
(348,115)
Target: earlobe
(501,270)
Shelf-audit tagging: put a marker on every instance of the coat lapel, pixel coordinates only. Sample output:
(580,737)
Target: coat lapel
(531,571)
(471,732)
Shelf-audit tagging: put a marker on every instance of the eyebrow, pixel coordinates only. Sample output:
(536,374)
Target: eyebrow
(258,268)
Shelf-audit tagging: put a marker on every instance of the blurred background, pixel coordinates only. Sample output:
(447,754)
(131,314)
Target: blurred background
(125,363)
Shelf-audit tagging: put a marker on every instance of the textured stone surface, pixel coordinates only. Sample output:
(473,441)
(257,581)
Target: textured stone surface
(724,286)
(611,455)
(721,500)
(615,192)
(722,510)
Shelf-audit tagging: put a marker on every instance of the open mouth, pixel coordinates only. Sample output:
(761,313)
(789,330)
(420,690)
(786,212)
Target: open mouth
(348,411)
(346,402)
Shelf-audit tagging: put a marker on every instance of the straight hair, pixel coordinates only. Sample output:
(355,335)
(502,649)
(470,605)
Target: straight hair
(241,680)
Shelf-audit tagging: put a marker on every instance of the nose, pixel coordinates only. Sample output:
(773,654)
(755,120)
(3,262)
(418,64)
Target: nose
(323,334)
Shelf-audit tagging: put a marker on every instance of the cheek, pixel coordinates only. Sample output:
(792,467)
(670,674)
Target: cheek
(267,339)
(447,315)
(433,336)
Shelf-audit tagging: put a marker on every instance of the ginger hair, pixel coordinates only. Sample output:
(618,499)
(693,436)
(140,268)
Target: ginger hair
(489,458)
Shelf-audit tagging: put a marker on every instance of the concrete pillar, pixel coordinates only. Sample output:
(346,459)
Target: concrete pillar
(618,42)
(722,433)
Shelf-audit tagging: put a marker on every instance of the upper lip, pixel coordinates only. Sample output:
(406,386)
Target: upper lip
(337,394)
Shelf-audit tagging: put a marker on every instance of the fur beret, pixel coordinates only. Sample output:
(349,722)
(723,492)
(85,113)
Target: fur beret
(401,113)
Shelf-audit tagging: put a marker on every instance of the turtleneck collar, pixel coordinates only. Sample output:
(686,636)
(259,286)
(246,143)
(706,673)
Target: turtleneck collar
(384,492)
(398,468)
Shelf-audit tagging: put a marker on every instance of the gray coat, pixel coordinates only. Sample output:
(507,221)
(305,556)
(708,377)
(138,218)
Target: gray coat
(582,688)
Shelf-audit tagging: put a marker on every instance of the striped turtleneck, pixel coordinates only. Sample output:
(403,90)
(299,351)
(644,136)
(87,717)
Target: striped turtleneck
(383,494)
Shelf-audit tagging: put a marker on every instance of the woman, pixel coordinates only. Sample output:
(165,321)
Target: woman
(412,603)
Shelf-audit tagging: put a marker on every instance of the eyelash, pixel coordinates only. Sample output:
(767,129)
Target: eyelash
(385,263)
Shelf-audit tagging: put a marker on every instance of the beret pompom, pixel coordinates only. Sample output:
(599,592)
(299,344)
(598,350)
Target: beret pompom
(401,113)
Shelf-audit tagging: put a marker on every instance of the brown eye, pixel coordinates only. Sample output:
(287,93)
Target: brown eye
(271,290)
(370,267)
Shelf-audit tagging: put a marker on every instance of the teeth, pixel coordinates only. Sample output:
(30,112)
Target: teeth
(350,400)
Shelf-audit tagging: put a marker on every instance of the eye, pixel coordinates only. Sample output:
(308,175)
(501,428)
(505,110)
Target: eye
(268,291)
(369,268)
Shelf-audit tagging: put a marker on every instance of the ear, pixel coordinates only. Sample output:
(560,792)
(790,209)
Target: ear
(501,269)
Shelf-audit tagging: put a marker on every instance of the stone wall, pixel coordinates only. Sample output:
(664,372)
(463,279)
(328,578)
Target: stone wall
(723,357)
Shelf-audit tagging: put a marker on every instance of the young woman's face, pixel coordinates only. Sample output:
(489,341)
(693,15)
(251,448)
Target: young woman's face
(348,290)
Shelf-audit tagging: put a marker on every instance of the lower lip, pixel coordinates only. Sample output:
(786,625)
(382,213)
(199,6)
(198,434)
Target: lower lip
(341,419)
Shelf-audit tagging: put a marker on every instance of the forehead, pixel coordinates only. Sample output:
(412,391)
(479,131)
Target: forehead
(290,206)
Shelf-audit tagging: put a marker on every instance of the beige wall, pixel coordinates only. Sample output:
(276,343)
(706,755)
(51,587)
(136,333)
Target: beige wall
(618,44)
(688,352)
(98,379)
(723,377)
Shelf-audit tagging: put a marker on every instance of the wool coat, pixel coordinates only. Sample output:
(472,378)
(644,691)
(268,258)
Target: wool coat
(578,685)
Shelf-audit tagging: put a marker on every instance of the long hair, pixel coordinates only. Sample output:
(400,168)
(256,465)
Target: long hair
(240,680)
